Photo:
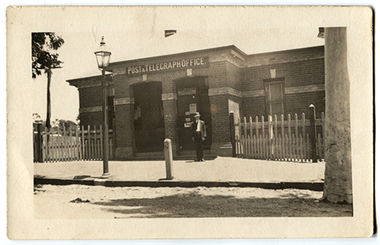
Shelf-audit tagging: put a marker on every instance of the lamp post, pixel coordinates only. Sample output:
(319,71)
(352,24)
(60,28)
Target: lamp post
(103,58)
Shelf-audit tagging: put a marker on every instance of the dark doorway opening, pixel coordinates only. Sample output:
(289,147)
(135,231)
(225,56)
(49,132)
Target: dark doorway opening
(148,117)
(192,96)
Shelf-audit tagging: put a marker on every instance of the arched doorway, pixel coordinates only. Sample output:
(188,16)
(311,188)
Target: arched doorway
(192,96)
(148,117)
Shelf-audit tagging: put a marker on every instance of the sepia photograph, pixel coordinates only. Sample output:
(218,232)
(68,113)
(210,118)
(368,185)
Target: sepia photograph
(171,122)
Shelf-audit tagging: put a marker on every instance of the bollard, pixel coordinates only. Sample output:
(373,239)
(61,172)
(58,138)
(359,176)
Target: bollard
(168,158)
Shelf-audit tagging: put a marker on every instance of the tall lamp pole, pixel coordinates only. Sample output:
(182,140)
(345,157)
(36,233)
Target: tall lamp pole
(103,56)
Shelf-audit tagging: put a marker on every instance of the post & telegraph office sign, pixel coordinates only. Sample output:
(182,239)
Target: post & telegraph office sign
(169,65)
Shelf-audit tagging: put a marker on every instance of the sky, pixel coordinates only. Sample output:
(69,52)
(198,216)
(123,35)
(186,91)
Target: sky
(139,32)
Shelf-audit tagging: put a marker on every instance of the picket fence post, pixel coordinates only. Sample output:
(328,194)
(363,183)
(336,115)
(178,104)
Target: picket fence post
(271,141)
(313,129)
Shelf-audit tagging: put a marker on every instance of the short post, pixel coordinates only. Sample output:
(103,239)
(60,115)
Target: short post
(232,134)
(168,158)
(313,133)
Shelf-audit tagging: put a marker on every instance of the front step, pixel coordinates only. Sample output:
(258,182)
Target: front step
(157,155)
(182,155)
(192,157)
(192,152)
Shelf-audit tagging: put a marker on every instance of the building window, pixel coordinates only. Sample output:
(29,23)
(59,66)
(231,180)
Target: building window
(274,95)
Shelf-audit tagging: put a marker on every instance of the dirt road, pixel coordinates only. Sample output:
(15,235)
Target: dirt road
(79,201)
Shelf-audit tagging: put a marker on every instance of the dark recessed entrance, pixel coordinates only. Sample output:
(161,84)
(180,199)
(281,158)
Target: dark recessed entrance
(192,96)
(149,117)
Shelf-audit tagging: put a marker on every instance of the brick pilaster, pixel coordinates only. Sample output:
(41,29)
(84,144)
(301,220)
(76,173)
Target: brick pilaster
(170,114)
(124,118)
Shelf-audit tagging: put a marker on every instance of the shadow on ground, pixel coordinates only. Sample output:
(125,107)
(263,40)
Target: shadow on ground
(38,188)
(196,205)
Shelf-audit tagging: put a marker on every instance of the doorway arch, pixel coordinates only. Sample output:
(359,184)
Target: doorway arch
(148,117)
(192,96)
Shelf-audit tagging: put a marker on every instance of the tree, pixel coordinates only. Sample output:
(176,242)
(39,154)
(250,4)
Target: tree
(43,43)
(67,125)
(36,118)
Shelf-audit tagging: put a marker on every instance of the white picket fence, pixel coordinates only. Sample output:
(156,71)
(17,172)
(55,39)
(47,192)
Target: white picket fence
(282,140)
(74,145)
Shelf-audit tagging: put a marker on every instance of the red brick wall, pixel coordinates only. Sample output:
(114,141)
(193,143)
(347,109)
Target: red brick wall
(304,73)
(170,117)
(124,126)
(233,76)
(124,114)
(218,75)
(90,96)
(296,74)
(300,73)
(219,118)
(299,103)
(254,106)
(121,87)
(91,118)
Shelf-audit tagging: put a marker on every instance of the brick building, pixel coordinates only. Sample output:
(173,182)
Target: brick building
(154,98)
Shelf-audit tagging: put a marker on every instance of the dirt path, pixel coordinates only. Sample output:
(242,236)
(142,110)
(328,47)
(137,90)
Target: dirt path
(79,201)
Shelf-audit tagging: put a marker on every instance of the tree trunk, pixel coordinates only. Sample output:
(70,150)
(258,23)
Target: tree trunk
(48,108)
(48,113)
(338,171)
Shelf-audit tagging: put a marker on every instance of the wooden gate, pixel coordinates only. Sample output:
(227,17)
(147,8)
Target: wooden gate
(72,145)
(279,139)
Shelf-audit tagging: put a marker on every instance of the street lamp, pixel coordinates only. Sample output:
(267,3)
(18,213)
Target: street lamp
(103,58)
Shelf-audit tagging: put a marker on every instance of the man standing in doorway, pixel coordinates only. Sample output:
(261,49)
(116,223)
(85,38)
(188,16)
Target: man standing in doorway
(198,129)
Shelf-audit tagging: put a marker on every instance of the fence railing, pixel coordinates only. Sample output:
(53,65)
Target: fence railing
(279,139)
(85,143)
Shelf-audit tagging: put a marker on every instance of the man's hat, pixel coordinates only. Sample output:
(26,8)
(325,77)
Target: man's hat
(197,114)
